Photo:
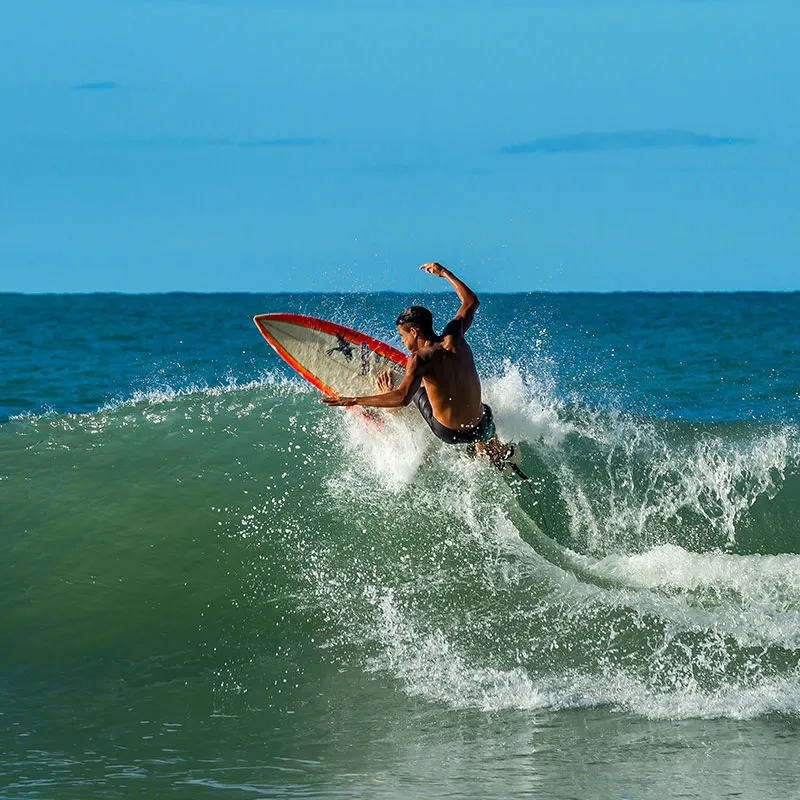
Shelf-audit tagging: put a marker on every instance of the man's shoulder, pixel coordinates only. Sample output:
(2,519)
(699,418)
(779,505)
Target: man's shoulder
(454,329)
(438,356)
(419,360)
(422,356)
(428,359)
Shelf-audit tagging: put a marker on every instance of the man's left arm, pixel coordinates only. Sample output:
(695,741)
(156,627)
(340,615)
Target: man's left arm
(401,396)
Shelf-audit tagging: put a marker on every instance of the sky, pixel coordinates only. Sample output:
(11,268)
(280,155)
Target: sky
(296,145)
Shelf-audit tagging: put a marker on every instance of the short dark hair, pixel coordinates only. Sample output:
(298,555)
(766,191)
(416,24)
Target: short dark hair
(416,317)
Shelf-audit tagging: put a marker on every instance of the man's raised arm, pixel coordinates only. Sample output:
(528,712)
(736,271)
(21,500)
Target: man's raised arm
(469,300)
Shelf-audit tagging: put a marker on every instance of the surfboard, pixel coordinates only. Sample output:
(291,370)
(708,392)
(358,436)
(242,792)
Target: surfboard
(335,359)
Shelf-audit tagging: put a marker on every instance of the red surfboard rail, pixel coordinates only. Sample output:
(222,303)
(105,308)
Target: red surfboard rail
(332,328)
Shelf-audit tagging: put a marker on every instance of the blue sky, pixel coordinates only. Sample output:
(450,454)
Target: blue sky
(287,146)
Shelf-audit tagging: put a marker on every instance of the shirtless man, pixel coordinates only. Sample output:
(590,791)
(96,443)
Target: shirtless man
(441,379)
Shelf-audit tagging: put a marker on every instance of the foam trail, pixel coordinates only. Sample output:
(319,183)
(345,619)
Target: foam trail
(471,604)
(430,666)
(721,578)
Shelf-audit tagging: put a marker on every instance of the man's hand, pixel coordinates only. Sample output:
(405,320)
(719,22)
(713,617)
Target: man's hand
(468,298)
(434,268)
(339,401)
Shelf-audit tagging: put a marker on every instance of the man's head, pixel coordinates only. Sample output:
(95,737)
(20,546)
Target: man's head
(415,326)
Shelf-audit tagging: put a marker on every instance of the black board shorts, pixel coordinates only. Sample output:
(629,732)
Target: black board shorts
(483,431)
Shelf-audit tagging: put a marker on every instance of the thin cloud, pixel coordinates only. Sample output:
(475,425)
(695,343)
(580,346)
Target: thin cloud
(96,86)
(219,141)
(623,140)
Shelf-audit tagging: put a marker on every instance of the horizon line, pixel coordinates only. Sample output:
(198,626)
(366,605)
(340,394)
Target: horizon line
(345,293)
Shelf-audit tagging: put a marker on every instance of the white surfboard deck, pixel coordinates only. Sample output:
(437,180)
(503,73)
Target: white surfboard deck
(335,359)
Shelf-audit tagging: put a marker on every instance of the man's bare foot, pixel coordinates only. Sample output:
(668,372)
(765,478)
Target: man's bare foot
(494,450)
(384,382)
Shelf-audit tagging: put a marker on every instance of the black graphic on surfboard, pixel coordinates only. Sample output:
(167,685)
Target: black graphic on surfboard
(342,346)
(365,352)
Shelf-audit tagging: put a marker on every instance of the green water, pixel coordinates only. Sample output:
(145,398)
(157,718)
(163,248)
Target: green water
(232,590)
(209,600)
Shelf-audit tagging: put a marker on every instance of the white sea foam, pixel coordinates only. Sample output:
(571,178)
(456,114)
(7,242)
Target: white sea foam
(48,411)
(389,447)
(159,395)
(165,394)
(630,482)
(429,666)
(739,580)
(657,630)
(525,408)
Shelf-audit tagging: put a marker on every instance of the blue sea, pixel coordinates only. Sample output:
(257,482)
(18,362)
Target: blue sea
(214,586)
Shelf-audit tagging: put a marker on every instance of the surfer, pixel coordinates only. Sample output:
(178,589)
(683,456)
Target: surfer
(441,378)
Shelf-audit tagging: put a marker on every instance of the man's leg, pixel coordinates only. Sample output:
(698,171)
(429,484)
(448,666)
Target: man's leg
(489,445)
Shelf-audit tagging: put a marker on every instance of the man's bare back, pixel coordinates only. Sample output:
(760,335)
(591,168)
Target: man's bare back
(451,380)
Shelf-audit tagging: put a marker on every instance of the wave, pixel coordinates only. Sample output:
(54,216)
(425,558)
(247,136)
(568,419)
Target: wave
(650,566)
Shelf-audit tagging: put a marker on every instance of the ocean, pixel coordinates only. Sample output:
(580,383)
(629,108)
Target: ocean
(213,586)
